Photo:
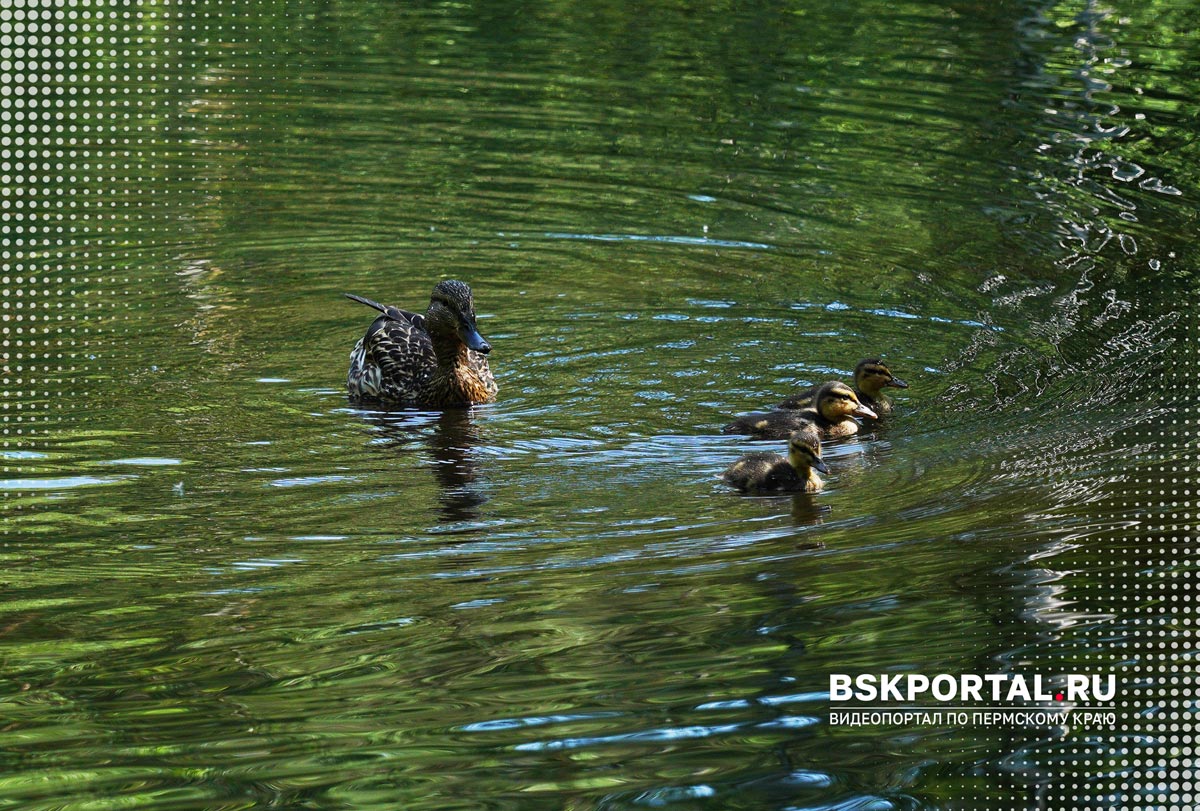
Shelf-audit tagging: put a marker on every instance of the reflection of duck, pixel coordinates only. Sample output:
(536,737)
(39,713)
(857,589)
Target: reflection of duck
(436,360)
(449,437)
(871,376)
(807,511)
(833,411)
(771,473)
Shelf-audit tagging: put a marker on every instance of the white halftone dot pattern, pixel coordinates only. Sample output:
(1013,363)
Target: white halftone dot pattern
(68,135)
(1159,745)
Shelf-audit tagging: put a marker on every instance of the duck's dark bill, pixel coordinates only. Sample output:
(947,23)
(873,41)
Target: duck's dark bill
(898,383)
(474,340)
(820,466)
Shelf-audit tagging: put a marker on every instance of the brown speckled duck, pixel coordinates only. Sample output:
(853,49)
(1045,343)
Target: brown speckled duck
(436,360)
(771,473)
(871,376)
(833,411)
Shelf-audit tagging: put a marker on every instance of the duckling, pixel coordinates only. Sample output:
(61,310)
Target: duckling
(870,377)
(436,360)
(771,473)
(834,407)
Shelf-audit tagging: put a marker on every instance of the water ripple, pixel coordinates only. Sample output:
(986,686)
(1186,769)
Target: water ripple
(60,483)
(652,735)
(666,239)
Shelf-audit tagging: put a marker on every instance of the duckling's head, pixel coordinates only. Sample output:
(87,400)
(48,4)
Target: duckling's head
(872,374)
(836,401)
(452,313)
(804,449)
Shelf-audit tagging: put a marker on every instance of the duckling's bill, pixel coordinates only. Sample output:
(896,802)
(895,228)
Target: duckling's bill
(861,410)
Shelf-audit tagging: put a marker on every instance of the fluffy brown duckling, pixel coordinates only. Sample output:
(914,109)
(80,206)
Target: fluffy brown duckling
(871,377)
(766,472)
(436,360)
(835,405)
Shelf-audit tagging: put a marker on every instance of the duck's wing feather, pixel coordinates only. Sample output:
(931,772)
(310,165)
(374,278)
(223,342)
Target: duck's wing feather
(416,319)
(400,348)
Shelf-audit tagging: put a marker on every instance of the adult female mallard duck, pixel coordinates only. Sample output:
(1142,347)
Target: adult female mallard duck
(436,360)
(771,473)
(833,411)
(871,376)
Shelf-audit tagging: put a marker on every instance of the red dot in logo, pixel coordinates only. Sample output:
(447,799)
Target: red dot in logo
(1058,696)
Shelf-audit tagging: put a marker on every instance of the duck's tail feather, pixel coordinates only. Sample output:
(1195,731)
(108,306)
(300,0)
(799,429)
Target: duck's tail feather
(383,308)
(394,313)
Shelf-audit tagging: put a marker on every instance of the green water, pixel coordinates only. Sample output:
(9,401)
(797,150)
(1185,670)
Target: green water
(225,586)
